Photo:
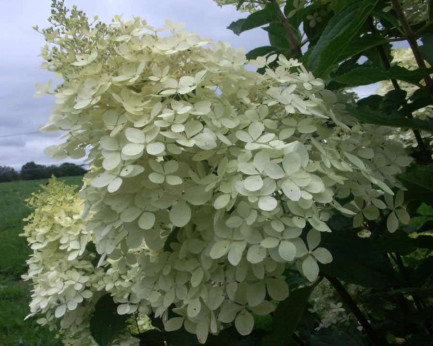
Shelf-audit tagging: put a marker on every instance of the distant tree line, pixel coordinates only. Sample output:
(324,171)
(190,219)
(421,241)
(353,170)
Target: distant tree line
(31,170)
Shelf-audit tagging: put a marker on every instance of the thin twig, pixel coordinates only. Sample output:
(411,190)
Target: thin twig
(350,303)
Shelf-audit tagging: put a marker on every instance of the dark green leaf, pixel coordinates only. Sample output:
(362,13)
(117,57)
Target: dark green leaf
(430,9)
(289,6)
(401,243)
(339,5)
(256,19)
(287,316)
(372,101)
(106,323)
(300,15)
(423,273)
(427,48)
(357,260)
(420,291)
(338,34)
(260,51)
(263,322)
(314,32)
(393,100)
(375,58)
(424,242)
(365,75)
(418,180)
(387,19)
(420,99)
(398,242)
(278,36)
(361,44)
(152,337)
(340,222)
(240,3)
(338,337)
(370,116)
(181,337)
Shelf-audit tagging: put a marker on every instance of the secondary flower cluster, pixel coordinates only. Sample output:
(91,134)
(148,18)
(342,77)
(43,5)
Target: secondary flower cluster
(207,179)
(62,268)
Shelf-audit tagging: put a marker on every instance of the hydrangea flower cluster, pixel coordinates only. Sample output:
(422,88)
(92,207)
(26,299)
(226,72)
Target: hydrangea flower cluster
(62,268)
(207,179)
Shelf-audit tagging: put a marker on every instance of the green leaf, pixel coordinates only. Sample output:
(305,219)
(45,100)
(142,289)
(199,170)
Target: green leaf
(361,44)
(287,316)
(260,51)
(357,260)
(240,3)
(278,36)
(418,180)
(106,323)
(339,5)
(256,19)
(389,20)
(421,291)
(370,116)
(425,210)
(424,241)
(393,100)
(151,337)
(372,101)
(338,34)
(420,99)
(338,337)
(314,32)
(300,15)
(398,242)
(430,9)
(427,48)
(423,273)
(366,75)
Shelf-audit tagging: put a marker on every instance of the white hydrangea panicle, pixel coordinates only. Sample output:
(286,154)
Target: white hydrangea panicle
(206,180)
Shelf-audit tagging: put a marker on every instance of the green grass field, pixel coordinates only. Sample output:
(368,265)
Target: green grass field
(14,293)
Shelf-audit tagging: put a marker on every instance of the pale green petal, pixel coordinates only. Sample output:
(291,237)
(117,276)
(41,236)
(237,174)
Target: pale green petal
(322,255)
(310,268)
(219,249)
(277,289)
(244,322)
(267,203)
(256,254)
(256,293)
(287,250)
(180,214)
(392,222)
(146,220)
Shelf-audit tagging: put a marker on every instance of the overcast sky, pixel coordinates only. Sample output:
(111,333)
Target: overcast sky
(21,114)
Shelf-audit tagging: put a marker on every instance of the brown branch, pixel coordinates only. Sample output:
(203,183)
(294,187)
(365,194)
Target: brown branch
(350,303)
(387,65)
(411,39)
(290,33)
